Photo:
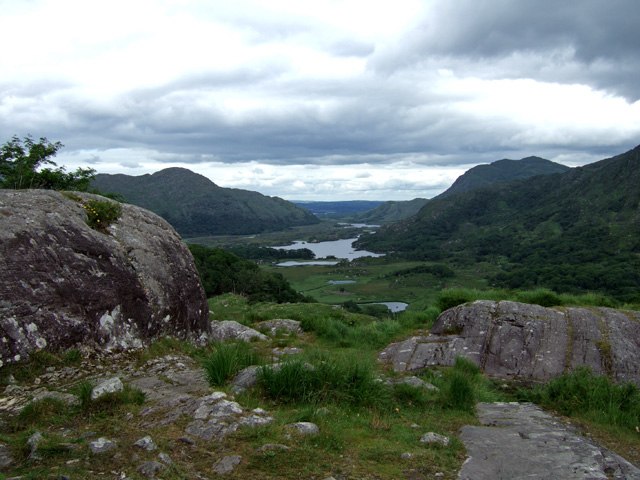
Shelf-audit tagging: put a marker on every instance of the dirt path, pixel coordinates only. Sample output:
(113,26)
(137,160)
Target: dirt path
(520,441)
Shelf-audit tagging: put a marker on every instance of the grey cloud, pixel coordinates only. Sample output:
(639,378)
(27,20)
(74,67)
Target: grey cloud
(600,36)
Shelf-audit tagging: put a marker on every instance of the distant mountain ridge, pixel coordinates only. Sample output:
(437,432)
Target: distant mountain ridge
(477,177)
(195,206)
(573,231)
(502,171)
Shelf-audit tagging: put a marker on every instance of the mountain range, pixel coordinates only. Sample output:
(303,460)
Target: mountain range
(575,230)
(477,177)
(196,207)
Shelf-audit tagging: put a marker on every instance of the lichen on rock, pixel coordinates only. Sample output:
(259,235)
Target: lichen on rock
(63,283)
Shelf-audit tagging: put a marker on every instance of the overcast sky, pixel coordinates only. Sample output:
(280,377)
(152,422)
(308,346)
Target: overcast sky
(321,99)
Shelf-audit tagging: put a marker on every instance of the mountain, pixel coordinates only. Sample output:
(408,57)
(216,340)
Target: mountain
(196,206)
(389,212)
(572,231)
(477,177)
(502,171)
(338,209)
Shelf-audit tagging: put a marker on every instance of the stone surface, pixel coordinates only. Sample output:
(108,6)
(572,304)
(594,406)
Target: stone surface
(150,469)
(111,385)
(304,428)
(245,378)
(101,445)
(145,443)
(413,381)
(67,398)
(284,325)
(6,458)
(516,340)
(33,441)
(520,441)
(64,284)
(232,330)
(227,464)
(431,438)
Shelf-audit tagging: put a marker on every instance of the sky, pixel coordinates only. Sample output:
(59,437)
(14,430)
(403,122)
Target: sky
(321,99)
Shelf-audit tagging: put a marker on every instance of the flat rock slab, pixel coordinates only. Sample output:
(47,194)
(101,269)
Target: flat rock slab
(520,441)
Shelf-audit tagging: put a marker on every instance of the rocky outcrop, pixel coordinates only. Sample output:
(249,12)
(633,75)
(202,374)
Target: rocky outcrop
(516,340)
(63,283)
(520,441)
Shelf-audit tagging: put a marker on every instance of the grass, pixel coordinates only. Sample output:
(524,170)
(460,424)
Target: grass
(226,360)
(590,397)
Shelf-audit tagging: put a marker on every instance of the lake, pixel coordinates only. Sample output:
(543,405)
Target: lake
(342,249)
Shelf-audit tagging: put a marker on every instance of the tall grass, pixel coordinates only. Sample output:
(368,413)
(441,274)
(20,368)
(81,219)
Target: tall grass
(226,360)
(452,297)
(341,379)
(597,398)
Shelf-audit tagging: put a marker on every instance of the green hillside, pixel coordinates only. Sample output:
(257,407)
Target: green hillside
(390,212)
(196,206)
(502,171)
(573,231)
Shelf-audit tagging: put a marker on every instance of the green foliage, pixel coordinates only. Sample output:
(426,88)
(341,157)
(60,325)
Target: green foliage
(338,379)
(21,166)
(573,232)
(581,393)
(101,213)
(438,270)
(453,297)
(459,394)
(223,272)
(36,412)
(226,360)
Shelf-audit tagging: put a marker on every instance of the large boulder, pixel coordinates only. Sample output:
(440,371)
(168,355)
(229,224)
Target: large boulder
(63,283)
(530,342)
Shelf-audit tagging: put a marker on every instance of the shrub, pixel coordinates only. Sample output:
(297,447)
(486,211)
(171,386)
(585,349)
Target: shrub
(453,297)
(458,393)
(101,213)
(344,379)
(541,296)
(226,360)
(596,397)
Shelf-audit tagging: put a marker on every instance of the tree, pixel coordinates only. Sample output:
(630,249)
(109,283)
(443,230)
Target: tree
(22,161)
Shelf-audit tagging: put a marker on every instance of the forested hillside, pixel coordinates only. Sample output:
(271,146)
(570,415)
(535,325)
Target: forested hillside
(578,230)
(196,206)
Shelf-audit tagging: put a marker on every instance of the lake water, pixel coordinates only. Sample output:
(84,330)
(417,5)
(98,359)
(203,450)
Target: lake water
(342,249)
(393,307)
(292,263)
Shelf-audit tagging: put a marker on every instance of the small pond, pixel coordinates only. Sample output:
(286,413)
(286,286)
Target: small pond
(341,249)
(394,307)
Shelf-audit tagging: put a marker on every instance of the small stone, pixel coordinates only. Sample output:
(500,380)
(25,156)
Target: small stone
(304,428)
(33,442)
(111,385)
(187,440)
(101,445)
(5,456)
(164,458)
(406,456)
(149,469)
(227,464)
(431,438)
(146,443)
(270,447)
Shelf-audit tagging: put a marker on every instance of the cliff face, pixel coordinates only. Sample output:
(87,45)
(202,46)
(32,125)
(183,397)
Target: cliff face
(516,340)
(63,283)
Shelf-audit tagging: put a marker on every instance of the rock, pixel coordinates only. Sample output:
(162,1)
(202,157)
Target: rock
(412,381)
(232,330)
(304,428)
(146,443)
(5,456)
(66,398)
(63,283)
(150,469)
(112,385)
(33,441)
(164,458)
(278,352)
(216,417)
(285,325)
(227,464)
(245,378)
(101,445)
(521,441)
(273,447)
(431,438)
(516,340)
(406,456)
